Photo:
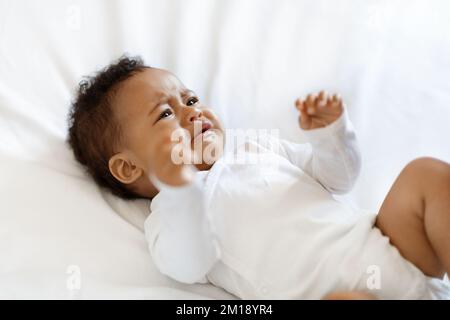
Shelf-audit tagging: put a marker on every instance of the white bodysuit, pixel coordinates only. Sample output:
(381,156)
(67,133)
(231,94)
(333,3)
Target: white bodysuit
(273,230)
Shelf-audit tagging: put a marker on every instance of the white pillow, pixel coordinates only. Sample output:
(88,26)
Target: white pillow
(55,224)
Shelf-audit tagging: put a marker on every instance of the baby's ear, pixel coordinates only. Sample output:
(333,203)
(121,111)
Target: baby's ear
(123,168)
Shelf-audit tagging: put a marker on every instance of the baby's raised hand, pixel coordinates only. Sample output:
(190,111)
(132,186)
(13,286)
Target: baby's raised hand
(318,111)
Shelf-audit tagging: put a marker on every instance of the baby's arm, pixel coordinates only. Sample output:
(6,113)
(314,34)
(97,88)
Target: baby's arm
(332,156)
(178,231)
(179,234)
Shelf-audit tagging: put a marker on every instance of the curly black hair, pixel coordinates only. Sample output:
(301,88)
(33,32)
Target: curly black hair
(93,130)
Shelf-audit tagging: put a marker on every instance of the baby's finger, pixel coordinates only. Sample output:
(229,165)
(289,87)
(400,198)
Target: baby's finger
(322,99)
(305,120)
(322,95)
(337,101)
(336,98)
(310,107)
(299,104)
(330,101)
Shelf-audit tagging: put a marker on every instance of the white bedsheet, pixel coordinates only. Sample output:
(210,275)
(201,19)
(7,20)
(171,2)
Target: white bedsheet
(248,59)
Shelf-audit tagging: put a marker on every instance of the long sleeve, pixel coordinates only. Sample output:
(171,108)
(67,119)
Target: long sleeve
(332,156)
(179,234)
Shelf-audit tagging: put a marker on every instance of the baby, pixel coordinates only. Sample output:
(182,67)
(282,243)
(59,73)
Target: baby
(267,227)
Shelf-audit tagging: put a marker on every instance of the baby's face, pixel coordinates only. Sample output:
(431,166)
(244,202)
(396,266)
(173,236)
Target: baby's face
(149,106)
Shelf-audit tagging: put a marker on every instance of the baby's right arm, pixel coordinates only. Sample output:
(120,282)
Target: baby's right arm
(178,230)
(180,235)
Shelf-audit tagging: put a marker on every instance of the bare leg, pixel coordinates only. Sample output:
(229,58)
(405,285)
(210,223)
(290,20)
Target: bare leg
(415,215)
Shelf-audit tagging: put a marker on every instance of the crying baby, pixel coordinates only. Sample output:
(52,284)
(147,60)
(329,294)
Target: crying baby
(268,228)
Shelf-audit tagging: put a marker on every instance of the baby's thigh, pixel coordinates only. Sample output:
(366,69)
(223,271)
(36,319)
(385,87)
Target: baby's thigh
(401,219)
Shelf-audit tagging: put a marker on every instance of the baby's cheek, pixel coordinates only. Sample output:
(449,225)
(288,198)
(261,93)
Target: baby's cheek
(210,114)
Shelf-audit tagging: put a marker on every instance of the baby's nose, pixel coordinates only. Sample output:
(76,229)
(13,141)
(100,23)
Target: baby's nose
(194,114)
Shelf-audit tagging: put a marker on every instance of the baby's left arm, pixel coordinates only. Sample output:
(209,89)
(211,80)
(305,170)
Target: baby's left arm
(332,156)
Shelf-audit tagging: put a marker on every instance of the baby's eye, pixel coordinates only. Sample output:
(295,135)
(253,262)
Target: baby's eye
(166,113)
(192,101)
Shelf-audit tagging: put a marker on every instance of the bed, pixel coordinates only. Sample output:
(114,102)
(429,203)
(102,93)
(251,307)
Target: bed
(61,237)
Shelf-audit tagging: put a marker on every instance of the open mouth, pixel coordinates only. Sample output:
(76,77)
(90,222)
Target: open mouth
(206,126)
